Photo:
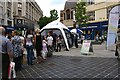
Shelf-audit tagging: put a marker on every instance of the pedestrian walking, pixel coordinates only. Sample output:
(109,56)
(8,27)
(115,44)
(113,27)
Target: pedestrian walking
(6,52)
(38,45)
(54,35)
(17,50)
(29,48)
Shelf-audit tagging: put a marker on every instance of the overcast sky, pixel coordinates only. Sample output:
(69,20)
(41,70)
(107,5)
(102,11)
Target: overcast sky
(47,5)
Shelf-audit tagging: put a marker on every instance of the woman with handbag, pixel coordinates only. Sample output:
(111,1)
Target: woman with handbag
(17,50)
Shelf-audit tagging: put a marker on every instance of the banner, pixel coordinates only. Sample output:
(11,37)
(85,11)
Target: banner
(113,25)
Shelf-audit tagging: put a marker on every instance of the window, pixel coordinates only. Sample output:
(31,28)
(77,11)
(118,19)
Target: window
(19,0)
(68,14)
(20,12)
(19,5)
(8,13)
(91,15)
(1,11)
(1,2)
(9,5)
(71,14)
(64,16)
(61,15)
(90,2)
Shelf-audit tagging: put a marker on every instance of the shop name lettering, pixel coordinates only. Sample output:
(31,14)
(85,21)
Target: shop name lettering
(115,12)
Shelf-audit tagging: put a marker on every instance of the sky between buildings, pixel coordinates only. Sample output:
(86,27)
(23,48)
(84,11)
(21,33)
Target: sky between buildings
(47,5)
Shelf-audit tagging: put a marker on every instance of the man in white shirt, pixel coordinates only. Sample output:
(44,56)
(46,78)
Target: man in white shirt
(49,40)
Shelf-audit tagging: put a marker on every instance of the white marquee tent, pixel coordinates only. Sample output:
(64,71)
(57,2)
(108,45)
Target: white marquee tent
(57,25)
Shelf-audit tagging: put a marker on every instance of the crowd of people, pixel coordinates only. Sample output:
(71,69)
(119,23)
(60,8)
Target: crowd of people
(14,46)
(30,47)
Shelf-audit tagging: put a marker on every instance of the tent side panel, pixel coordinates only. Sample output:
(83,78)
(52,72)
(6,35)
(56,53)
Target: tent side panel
(64,36)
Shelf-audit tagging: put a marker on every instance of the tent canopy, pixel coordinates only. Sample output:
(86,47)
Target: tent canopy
(57,25)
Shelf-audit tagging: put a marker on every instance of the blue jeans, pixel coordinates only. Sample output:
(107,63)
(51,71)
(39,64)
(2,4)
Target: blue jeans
(29,54)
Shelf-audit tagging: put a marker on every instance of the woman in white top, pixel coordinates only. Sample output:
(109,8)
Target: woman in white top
(29,48)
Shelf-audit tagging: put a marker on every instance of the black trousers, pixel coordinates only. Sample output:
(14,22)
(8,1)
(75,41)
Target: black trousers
(5,66)
(18,63)
(59,47)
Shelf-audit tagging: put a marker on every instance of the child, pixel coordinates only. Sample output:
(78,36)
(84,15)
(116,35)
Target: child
(44,49)
(59,43)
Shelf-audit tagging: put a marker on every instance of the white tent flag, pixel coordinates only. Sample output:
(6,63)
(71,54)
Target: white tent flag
(113,25)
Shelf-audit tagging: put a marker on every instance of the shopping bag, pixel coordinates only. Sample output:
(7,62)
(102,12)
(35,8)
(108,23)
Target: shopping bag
(43,54)
(35,55)
(24,59)
(24,52)
(11,71)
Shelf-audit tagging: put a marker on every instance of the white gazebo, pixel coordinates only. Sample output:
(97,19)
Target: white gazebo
(59,26)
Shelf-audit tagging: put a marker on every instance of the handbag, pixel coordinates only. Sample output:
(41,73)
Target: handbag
(11,71)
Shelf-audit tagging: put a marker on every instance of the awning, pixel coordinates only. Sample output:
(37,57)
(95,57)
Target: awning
(24,26)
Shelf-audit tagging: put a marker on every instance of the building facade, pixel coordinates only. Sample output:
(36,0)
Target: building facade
(6,15)
(20,13)
(99,16)
(67,16)
(26,13)
(1,12)
(99,10)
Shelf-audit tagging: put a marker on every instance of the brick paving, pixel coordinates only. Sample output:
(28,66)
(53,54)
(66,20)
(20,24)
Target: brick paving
(73,67)
(71,64)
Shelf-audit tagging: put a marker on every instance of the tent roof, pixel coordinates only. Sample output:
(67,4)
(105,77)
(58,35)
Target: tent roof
(55,24)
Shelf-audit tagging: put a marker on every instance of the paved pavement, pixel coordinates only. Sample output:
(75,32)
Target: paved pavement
(99,51)
(71,64)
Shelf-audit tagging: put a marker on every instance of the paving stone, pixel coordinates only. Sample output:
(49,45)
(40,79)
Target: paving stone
(62,65)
